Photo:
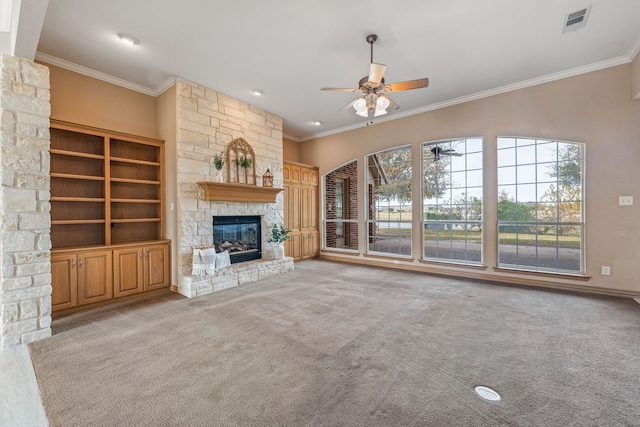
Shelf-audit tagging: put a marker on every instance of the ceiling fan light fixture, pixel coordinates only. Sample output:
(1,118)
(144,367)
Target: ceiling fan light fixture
(361,107)
(382,103)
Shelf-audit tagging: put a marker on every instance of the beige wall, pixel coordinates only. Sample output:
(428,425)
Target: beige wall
(166,119)
(593,108)
(84,100)
(635,78)
(291,150)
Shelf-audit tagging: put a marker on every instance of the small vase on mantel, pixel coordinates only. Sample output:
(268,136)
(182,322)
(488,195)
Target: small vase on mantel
(218,176)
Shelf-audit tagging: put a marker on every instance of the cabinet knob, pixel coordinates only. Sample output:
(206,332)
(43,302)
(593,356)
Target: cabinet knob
(73,263)
(80,262)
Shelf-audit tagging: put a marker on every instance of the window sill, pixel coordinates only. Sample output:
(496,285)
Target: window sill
(452,264)
(567,276)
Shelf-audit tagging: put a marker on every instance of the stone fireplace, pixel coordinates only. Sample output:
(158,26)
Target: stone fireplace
(240,235)
(207,121)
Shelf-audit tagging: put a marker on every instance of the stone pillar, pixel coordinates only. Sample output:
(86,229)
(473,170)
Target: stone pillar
(25,272)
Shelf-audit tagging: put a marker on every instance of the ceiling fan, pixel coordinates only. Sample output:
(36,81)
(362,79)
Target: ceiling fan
(374,88)
(439,151)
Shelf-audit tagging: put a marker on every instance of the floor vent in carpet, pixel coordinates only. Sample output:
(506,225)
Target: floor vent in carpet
(487,394)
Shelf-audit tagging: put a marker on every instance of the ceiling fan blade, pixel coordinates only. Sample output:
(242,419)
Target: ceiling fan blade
(408,85)
(375,73)
(349,105)
(341,89)
(392,106)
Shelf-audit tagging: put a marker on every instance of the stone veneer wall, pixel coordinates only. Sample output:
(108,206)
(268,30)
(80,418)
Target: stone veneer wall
(25,275)
(206,122)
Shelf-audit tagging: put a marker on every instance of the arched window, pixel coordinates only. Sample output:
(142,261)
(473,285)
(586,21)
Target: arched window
(341,207)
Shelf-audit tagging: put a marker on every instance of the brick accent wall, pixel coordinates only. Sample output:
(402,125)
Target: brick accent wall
(25,274)
(206,122)
(349,173)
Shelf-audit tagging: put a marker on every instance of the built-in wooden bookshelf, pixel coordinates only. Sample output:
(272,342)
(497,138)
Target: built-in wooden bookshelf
(106,190)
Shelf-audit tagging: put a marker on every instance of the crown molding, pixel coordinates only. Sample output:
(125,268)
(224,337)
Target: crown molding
(169,82)
(50,59)
(485,94)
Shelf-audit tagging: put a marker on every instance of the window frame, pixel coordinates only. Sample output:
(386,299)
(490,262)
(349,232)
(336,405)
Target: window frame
(465,223)
(581,225)
(326,221)
(369,222)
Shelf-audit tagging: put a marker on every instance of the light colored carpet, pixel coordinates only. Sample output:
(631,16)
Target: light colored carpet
(337,344)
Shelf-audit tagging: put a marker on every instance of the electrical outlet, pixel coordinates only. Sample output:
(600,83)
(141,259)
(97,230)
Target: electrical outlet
(625,201)
(606,270)
(396,262)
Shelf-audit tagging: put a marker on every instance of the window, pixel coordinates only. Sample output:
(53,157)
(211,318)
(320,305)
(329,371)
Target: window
(452,200)
(341,207)
(389,201)
(540,209)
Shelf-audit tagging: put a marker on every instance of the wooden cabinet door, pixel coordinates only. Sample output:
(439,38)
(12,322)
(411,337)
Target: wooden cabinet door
(314,179)
(315,244)
(294,206)
(294,173)
(296,246)
(305,208)
(310,245)
(156,267)
(286,200)
(313,208)
(128,271)
(64,281)
(305,175)
(95,276)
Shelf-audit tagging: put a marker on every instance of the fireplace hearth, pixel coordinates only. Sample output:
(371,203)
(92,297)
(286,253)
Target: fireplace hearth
(240,235)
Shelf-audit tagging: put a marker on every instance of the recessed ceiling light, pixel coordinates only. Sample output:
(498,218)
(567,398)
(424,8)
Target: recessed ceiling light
(317,122)
(257,92)
(128,39)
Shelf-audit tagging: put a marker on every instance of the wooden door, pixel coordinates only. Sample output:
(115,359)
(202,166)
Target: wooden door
(156,267)
(128,271)
(95,276)
(64,281)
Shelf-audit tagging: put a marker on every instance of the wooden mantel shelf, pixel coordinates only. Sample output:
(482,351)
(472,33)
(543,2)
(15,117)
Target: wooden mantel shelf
(233,192)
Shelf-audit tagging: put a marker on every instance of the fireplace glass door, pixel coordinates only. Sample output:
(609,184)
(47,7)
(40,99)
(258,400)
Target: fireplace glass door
(238,235)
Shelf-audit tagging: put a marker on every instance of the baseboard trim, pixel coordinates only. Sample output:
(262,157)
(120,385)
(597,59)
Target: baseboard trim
(483,277)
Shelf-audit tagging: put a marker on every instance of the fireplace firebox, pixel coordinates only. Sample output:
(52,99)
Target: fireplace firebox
(241,236)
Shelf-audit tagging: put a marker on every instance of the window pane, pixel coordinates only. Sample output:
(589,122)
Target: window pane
(453,215)
(505,142)
(526,154)
(506,175)
(507,157)
(547,152)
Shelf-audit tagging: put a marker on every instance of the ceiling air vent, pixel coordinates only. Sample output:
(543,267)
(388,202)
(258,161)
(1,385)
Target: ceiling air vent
(576,20)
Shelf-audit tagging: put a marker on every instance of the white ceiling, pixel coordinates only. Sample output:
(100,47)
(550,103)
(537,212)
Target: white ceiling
(289,49)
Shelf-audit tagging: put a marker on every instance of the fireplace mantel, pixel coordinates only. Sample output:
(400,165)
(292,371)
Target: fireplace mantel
(233,192)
